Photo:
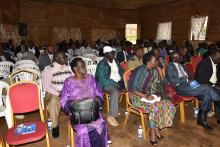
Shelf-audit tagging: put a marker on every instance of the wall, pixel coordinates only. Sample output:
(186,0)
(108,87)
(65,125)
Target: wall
(180,14)
(43,17)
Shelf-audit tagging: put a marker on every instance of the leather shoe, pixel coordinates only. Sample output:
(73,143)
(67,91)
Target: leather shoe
(202,120)
(218,122)
(55,132)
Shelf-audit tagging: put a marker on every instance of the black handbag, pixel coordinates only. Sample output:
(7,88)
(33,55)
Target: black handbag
(84,111)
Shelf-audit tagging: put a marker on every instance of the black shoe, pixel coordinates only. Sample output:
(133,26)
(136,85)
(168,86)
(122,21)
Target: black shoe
(153,143)
(202,115)
(55,132)
(218,122)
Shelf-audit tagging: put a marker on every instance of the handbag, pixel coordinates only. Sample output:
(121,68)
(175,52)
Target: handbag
(84,111)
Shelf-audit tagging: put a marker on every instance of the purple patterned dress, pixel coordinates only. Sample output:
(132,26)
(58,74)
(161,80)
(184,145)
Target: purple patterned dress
(87,135)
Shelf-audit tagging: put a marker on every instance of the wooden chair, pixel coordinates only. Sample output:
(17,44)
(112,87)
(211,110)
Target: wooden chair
(70,134)
(23,102)
(132,108)
(2,144)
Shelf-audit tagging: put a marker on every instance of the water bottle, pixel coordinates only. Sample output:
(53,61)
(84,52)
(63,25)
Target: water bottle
(196,112)
(49,125)
(140,132)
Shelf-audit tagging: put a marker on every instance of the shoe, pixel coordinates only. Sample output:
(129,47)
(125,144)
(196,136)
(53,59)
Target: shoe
(161,138)
(202,115)
(153,142)
(55,132)
(218,122)
(112,121)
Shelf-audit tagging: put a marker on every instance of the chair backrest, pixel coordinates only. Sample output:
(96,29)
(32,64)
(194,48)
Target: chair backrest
(167,59)
(4,73)
(195,61)
(27,66)
(7,65)
(24,75)
(91,56)
(124,65)
(98,59)
(91,69)
(3,85)
(24,62)
(24,97)
(190,68)
(126,78)
(87,61)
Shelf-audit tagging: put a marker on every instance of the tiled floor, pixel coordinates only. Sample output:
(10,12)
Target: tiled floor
(181,135)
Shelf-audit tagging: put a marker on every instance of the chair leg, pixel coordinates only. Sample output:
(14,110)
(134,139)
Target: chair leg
(126,117)
(47,139)
(72,137)
(197,103)
(107,102)
(121,97)
(213,107)
(7,145)
(69,132)
(182,112)
(143,126)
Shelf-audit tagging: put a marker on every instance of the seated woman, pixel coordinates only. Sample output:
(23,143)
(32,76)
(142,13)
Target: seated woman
(78,87)
(143,83)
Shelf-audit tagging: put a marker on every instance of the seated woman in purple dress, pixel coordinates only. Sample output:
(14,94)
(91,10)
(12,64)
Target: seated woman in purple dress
(78,87)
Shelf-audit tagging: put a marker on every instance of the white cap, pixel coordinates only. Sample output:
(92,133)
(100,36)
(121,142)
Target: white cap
(107,49)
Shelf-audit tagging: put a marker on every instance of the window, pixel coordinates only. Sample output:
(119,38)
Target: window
(131,32)
(164,31)
(199,28)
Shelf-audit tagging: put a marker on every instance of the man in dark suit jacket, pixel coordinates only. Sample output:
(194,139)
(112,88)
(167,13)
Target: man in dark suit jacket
(5,56)
(34,49)
(178,76)
(207,72)
(123,55)
(47,58)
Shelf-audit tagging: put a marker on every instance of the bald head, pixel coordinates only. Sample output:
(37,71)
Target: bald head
(60,57)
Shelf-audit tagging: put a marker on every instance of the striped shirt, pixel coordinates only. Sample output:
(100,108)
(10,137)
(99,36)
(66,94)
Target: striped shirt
(53,77)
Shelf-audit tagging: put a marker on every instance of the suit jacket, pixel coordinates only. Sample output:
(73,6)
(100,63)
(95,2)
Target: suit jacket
(8,57)
(44,61)
(173,76)
(204,72)
(121,57)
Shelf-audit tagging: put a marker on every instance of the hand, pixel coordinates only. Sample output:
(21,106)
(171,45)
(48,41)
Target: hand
(149,97)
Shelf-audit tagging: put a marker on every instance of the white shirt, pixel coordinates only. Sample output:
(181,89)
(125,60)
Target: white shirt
(213,78)
(32,50)
(181,71)
(51,57)
(3,58)
(114,71)
(125,55)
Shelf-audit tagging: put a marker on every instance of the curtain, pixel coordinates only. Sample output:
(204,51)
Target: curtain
(164,31)
(65,33)
(9,32)
(103,34)
(198,28)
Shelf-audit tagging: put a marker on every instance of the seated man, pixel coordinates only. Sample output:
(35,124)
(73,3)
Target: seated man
(53,77)
(5,56)
(109,75)
(136,60)
(206,73)
(47,58)
(178,76)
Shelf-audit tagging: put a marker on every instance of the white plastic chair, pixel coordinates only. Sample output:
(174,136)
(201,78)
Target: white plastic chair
(97,60)
(91,56)
(91,69)
(4,73)
(5,110)
(7,65)
(87,61)
(24,75)
(27,66)
(24,62)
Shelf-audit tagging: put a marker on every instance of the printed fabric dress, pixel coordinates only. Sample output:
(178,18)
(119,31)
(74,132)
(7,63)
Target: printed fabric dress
(161,114)
(94,134)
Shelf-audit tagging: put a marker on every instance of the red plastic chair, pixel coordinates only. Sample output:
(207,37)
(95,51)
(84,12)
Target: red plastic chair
(167,59)
(25,98)
(124,65)
(190,68)
(195,61)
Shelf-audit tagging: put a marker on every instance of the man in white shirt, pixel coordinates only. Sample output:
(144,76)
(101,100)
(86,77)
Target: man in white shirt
(109,75)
